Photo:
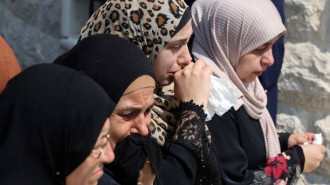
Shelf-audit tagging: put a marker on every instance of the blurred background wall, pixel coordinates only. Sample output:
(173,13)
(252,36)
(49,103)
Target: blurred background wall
(304,85)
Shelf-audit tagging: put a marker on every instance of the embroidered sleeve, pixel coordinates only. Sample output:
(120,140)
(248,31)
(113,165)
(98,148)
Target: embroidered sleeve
(193,134)
(282,169)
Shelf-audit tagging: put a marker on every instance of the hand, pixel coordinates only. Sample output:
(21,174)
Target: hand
(193,83)
(147,174)
(314,154)
(300,138)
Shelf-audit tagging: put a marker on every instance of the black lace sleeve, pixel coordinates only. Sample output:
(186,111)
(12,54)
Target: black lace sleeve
(192,133)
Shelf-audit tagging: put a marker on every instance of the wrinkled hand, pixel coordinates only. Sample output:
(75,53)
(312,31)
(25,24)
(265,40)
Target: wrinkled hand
(193,82)
(314,154)
(300,138)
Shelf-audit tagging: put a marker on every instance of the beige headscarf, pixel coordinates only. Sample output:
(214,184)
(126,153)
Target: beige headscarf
(224,31)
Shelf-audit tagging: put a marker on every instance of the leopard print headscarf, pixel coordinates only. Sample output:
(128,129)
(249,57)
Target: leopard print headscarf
(149,24)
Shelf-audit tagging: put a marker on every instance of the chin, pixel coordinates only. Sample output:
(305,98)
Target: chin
(167,81)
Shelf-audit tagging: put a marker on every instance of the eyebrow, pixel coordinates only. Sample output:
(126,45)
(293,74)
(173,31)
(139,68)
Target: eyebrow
(138,108)
(180,40)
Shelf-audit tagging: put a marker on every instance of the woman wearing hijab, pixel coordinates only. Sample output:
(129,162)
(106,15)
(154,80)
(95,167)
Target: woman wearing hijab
(162,29)
(54,128)
(128,80)
(235,37)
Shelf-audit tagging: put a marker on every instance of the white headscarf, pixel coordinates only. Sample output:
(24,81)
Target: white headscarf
(224,31)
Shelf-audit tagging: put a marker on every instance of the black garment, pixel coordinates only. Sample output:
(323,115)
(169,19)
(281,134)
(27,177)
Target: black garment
(111,61)
(50,119)
(189,2)
(240,150)
(188,156)
(131,154)
(106,179)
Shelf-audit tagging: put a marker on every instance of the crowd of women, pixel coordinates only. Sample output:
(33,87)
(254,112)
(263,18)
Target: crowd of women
(127,104)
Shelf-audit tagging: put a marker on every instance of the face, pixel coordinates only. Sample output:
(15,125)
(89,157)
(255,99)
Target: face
(132,115)
(91,170)
(173,57)
(253,64)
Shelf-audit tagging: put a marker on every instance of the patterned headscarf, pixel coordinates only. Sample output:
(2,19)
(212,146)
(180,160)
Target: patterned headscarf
(149,24)
(224,31)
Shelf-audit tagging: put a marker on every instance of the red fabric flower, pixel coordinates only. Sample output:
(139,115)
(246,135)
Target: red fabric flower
(276,166)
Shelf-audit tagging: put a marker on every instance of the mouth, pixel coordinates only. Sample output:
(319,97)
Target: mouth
(171,73)
(99,171)
(258,73)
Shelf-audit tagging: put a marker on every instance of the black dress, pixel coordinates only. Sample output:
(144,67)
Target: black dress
(239,146)
(188,157)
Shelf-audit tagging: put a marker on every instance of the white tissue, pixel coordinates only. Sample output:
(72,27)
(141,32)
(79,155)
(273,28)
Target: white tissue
(222,98)
(318,139)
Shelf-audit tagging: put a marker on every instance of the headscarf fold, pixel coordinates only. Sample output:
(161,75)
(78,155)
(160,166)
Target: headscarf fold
(111,61)
(225,30)
(50,119)
(149,25)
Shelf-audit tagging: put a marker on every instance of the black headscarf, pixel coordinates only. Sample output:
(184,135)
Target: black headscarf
(111,61)
(50,118)
(115,63)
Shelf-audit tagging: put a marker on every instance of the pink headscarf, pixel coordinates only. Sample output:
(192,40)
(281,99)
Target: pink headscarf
(224,31)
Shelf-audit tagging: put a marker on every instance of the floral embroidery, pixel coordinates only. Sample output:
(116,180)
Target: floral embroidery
(189,132)
(276,166)
(283,169)
(192,133)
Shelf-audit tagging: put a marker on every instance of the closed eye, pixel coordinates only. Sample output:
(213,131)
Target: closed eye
(128,116)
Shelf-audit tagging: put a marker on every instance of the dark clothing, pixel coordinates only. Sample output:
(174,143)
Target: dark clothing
(106,179)
(270,77)
(113,62)
(131,154)
(189,2)
(44,112)
(178,167)
(240,149)
(188,156)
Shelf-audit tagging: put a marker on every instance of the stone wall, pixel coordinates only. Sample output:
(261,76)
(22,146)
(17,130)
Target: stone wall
(32,29)
(304,85)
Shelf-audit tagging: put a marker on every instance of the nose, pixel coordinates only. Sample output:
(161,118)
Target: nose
(184,57)
(108,155)
(141,124)
(267,58)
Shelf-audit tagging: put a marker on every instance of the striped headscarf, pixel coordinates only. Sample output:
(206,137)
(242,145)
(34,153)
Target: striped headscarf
(225,30)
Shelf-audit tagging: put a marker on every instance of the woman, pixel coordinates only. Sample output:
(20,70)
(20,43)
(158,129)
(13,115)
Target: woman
(235,38)
(122,71)
(162,30)
(44,112)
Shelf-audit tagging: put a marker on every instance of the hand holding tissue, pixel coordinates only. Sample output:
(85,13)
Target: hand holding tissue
(222,98)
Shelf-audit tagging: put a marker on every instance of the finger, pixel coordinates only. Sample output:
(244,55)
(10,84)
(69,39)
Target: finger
(324,150)
(208,69)
(199,65)
(189,66)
